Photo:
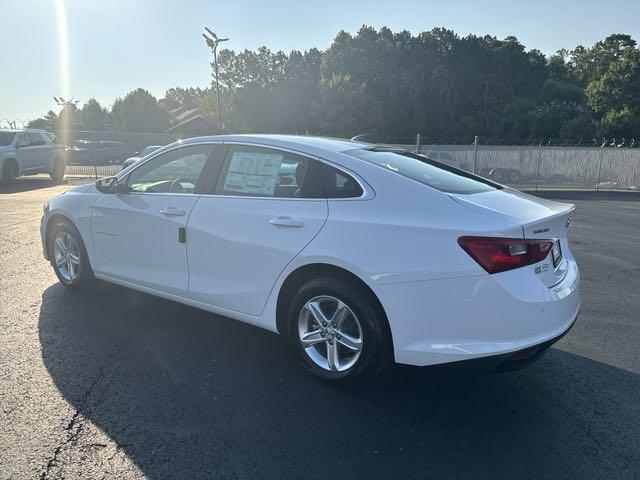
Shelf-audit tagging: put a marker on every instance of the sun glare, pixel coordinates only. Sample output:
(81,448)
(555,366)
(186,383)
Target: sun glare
(63,51)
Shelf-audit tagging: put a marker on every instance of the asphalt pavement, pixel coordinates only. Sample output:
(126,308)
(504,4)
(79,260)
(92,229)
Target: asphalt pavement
(118,384)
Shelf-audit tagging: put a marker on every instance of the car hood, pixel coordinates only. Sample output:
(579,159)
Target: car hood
(86,188)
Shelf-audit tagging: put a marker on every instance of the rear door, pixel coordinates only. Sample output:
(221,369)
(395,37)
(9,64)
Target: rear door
(264,207)
(138,234)
(40,152)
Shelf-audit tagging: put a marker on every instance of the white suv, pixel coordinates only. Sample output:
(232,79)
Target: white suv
(27,152)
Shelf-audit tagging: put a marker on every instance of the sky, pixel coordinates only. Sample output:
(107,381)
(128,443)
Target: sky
(106,48)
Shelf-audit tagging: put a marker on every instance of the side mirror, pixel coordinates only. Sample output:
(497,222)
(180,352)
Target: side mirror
(22,142)
(107,185)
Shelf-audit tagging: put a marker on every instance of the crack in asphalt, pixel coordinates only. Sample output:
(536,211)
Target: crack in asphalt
(75,426)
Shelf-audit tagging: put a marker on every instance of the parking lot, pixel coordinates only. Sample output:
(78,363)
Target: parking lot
(118,384)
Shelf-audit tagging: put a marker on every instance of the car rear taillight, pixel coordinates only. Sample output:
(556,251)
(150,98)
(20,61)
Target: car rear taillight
(496,254)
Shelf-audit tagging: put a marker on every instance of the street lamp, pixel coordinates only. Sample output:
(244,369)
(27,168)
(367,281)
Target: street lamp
(212,42)
(61,102)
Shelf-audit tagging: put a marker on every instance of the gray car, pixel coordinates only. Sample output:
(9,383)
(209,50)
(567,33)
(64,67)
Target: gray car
(27,152)
(139,155)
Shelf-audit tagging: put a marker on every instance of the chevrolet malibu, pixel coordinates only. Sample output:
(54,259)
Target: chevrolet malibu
(359,255)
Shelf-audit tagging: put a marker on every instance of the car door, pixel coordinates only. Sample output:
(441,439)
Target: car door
(266,206)
(138,233)
(39,152)
(25,153)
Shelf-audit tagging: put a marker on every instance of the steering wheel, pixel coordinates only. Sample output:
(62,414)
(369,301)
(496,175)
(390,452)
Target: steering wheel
(177,183)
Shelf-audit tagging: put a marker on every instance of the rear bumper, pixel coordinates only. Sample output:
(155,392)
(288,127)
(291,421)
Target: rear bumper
(509,362)
(502,318)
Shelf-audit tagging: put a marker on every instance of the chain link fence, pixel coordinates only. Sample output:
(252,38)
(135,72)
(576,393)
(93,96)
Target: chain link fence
(543,167)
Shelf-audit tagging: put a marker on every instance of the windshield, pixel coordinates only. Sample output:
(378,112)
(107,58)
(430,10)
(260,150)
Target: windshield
(424,170)
(6,138)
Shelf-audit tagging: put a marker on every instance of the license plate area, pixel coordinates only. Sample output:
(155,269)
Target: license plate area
(556,254)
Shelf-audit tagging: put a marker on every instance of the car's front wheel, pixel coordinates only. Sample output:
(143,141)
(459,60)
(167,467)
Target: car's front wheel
(69,257)
(338,332)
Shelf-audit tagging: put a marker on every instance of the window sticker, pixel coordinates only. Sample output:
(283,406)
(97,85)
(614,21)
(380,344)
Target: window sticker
(254,173)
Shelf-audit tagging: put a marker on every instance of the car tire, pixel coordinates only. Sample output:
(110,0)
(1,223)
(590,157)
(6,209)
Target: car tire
(69,257)
(362,324)
(9,170)
(59,167)
(514,176)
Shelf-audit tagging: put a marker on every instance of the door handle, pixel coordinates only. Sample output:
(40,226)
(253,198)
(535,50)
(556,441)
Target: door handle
(173,212)
(286,222)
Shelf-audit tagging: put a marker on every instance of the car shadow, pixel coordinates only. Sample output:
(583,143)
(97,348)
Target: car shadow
(26,184)
(187,394)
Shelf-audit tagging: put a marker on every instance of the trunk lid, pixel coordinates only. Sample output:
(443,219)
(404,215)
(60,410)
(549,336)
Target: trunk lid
(539,219)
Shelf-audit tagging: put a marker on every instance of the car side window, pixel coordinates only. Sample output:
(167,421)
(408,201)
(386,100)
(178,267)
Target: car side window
(339,184)
(176,171)
(36,139)
(23,140)
(266,172)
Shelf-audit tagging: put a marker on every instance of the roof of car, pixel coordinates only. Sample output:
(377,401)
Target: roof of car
(329,144)
(17,130)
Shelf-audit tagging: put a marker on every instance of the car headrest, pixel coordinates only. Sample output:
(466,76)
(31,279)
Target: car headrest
(301,169)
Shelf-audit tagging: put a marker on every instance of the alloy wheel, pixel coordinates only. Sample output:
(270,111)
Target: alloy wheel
(330,333)
(66,256)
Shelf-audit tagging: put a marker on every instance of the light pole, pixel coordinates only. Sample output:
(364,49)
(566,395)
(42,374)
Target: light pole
(61,102)
(212,42)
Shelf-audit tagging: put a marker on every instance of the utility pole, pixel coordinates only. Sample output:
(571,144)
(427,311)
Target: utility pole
(212,42)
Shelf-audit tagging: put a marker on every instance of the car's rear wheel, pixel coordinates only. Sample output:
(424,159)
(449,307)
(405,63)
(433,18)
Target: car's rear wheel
(338,332)
(59,167)
(9,170)
(69,257)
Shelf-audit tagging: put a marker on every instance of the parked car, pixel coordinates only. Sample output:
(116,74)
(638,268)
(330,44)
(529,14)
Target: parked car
(138,155)
(94,152)
(28,152)
(502,174)
(369,255)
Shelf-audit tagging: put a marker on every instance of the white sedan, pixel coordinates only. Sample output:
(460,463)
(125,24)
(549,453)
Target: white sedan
(359,255)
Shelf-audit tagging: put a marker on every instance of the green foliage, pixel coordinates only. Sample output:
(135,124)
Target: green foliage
(437,83)
(616,95)
(93,115)
(186,98)
(395,84)
(139,111)
(48,122)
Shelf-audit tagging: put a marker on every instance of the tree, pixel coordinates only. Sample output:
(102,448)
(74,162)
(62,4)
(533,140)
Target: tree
(139,111)
(178,97)
(395,84)
(93,115)
(588,64)
(48,122)
(615,96)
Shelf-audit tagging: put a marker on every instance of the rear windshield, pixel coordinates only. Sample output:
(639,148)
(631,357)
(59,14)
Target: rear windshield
(424,170)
